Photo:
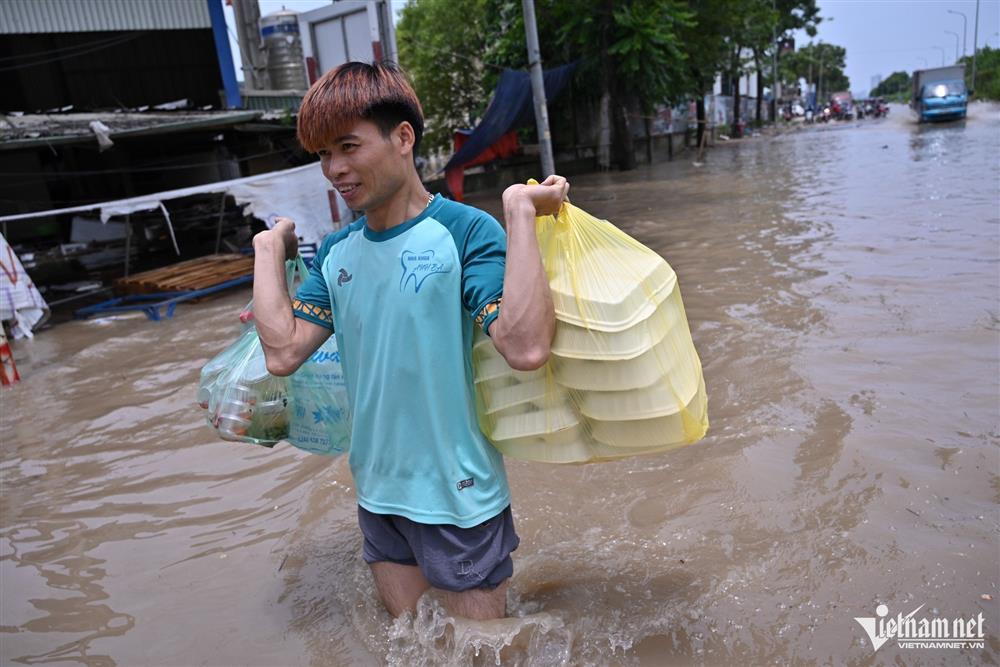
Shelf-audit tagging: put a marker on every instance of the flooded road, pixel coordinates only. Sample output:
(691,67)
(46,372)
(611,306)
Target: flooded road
(843,289)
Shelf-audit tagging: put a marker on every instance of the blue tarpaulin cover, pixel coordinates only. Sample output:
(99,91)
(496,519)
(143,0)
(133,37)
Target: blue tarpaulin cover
(511,107)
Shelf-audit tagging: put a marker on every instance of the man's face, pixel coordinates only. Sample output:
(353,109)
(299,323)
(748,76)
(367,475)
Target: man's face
(365,166)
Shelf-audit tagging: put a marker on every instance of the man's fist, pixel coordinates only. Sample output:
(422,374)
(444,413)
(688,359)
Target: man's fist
(282,233)
(546,198)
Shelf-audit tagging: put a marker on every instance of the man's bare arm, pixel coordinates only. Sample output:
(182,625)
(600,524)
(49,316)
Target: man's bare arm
(523,330)
(287,340)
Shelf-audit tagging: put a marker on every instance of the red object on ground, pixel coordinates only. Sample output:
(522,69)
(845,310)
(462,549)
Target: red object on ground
(312,69)
(5,357)
(505,146)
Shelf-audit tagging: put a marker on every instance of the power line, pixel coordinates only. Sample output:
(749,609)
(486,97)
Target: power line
(126,38)
(74,47)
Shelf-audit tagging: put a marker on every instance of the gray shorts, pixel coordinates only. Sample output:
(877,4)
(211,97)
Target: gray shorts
(450,558)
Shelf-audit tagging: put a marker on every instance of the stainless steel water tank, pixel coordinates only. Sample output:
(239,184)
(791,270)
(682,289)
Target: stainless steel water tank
(285,64)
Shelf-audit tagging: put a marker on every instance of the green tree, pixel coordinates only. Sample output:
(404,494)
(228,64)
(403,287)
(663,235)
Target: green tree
(707,51)
(987,84)
(791,15)
(630,52)
(751,29)
(726,31)
(896,85)
(452,50)
(820,64)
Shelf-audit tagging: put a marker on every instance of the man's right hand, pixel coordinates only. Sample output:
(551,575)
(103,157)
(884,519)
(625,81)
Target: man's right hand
(282,233)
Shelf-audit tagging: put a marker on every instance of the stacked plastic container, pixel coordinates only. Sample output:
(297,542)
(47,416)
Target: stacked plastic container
(624,377)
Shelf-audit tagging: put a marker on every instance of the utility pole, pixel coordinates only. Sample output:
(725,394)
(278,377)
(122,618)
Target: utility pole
(951,32)
(255,75)
(975,44)
(941,49)
(819,81)
(774,63)
(965,29)
(538,89)
(811,82)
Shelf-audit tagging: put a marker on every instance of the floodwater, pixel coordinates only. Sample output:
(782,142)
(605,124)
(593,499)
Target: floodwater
(843,289)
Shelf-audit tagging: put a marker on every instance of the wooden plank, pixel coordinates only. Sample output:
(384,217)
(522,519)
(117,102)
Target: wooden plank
(189,275)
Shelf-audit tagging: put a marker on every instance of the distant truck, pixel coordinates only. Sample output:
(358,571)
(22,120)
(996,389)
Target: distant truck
(939,93)
(345,31)
(842,105)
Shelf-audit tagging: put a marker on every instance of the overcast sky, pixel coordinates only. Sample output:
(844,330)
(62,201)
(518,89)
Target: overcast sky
(881,36)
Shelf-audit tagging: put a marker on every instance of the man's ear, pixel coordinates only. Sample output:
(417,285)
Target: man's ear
(406,137)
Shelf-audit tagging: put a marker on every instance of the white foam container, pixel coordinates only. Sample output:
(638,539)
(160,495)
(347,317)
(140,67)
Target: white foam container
(503,398)
(540,451)
(576,342)
(613,289)
(553,427)
(621,374)
(662,398)
(666,431)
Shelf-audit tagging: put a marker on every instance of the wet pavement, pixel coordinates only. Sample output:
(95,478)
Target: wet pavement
(843,289)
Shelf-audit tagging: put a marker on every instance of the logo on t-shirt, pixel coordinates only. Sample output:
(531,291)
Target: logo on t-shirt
(344,277)
(418,266)
(466,483)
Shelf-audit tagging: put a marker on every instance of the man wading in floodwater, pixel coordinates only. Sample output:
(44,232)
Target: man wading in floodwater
(403,287)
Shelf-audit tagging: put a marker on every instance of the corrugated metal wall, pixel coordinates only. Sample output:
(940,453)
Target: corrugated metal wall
(123,69)
(48,16)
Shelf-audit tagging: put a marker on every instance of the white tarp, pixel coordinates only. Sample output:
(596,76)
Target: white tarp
(302,194)
(20,301)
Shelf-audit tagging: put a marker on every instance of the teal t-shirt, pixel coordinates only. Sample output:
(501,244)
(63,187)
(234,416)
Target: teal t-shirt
(402,304)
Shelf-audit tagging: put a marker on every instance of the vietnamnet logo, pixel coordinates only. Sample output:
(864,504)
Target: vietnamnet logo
(924,633)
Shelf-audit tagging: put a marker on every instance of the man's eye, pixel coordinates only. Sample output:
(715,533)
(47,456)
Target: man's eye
(348,147)
(324,153)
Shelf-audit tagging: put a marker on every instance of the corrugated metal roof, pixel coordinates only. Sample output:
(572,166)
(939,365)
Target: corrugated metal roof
(32,130)
(42,16)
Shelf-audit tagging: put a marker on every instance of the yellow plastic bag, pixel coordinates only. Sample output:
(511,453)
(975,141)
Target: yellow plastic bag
(623,378)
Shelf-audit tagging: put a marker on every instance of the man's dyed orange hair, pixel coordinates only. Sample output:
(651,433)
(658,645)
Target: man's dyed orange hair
(356,91)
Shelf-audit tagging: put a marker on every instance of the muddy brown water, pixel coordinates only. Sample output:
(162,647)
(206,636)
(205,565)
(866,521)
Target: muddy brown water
(843,289)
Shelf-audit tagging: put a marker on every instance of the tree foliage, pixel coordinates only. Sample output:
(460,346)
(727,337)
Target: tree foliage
(632,54)
(896,84)
(636,41)
(820,64)
(453,50)
(987,84)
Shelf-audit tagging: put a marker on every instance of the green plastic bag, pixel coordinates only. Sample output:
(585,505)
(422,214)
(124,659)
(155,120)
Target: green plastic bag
(245,403)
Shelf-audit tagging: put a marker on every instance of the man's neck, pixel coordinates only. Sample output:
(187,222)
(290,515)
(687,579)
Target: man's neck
(408,202)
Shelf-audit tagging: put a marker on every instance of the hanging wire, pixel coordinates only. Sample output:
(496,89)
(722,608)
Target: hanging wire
(74,47)
(122,40)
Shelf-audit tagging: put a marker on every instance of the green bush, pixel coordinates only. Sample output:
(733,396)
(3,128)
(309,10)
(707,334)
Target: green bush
(987,84)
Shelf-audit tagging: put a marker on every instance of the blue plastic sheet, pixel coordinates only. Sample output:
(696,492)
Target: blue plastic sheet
(511,107)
